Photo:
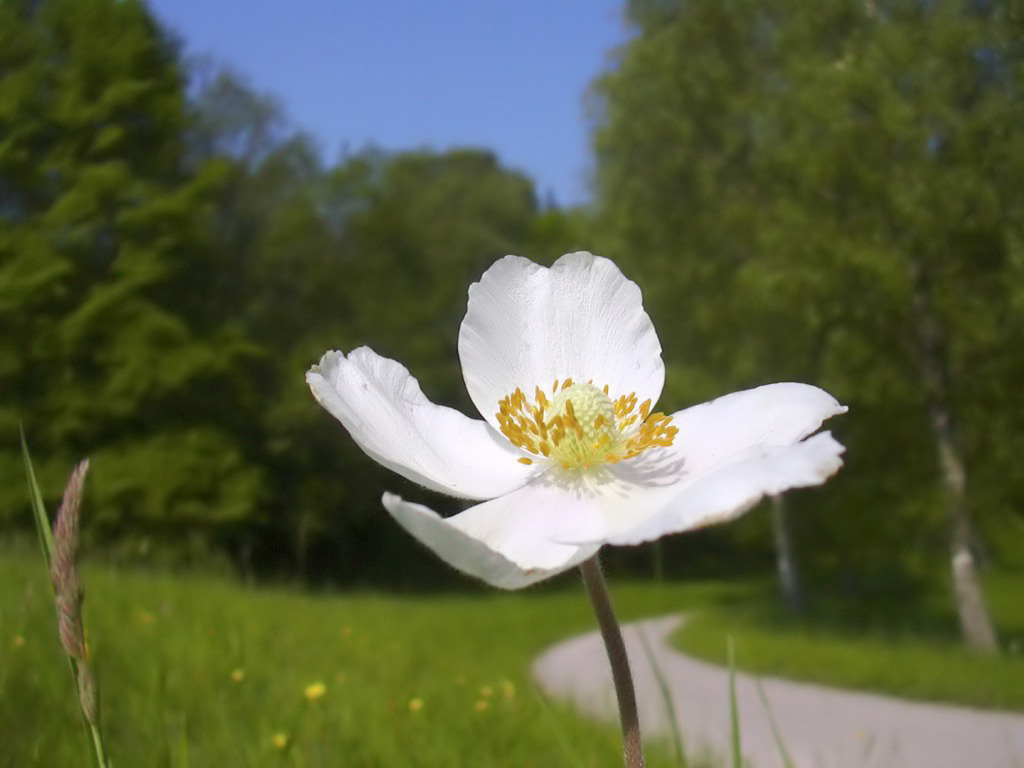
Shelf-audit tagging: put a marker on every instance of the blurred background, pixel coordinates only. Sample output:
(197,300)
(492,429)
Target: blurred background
(196,201)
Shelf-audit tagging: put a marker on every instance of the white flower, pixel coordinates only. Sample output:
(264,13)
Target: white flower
(565,367)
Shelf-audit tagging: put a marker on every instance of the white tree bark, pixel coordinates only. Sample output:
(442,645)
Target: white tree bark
(785,557)
(975,622)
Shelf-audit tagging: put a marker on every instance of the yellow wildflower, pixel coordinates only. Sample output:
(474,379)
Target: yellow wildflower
(315,690)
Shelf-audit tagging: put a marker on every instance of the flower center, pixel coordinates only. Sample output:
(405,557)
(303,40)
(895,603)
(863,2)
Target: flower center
(579,426)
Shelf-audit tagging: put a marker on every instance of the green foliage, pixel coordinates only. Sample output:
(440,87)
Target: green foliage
(116,344)
(773,176)
(430,224)
(776,175)
(168,271)
(378,250)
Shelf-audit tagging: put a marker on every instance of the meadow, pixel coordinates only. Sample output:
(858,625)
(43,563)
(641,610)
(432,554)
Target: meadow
(205,671)
(201,670)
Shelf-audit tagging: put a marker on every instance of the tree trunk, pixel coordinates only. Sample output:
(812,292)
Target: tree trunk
(301,544)
(975,623)
(785,557)
(658,561)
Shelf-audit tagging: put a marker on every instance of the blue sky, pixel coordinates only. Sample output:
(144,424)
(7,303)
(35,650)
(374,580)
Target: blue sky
(509,75)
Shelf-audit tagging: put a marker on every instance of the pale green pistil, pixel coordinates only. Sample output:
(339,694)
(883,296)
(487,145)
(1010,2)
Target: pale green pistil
(580,426)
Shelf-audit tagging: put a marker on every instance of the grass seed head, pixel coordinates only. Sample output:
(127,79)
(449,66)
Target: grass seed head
(64,565)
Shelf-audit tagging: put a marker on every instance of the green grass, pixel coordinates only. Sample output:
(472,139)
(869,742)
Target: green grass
(917,655)
(202,671)
(198,671)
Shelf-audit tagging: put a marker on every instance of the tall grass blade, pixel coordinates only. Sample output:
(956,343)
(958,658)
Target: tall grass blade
(787,761)
(734,710)
(38,509)
(560,737)
(666,699)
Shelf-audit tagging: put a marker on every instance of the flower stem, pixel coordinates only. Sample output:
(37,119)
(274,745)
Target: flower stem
(597,590)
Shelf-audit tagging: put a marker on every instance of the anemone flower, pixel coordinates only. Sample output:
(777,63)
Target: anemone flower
(565,367)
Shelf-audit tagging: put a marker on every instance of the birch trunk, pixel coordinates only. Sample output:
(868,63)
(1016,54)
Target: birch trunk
(785,557)
(975,622)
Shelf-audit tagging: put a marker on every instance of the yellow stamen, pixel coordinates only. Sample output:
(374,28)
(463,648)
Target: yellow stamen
(580,426)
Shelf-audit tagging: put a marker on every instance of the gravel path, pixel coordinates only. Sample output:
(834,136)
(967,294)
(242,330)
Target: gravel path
(820,727)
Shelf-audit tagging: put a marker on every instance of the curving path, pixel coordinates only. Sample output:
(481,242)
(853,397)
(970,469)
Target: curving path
(820,727)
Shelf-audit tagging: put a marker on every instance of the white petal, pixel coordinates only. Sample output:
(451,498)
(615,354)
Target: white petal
(527,325)
(390,418)
(729,491)
(776,414)
(509,542)
(720,463)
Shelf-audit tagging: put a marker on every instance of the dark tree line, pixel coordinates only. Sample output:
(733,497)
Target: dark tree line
(173,259)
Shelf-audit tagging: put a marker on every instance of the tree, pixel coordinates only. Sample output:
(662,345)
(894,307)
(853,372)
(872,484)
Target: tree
(838,190)
(120,350)
(410,231)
